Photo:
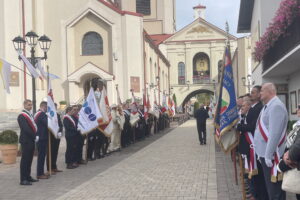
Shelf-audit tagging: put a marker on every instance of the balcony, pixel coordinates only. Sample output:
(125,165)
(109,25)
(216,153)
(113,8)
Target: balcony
(283,45)
(198,79)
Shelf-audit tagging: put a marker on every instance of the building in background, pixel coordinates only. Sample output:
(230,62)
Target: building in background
(280,62)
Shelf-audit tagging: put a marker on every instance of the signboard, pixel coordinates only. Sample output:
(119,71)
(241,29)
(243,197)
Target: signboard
(135,83)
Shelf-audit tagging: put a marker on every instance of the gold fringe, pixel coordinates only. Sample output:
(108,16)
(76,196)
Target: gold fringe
(280,176)
(273,179)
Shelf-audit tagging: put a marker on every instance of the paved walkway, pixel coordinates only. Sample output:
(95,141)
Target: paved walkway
(173,167)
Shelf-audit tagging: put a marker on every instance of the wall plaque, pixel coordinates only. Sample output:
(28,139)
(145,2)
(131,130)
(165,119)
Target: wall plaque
(135,83)
(14,79)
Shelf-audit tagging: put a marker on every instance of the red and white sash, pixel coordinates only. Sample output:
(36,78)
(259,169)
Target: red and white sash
(37,115)
(251,166)
(70,118)
(30,121)
(275,176)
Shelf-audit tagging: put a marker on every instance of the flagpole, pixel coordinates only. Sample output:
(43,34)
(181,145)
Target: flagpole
(242,177)
(49,137)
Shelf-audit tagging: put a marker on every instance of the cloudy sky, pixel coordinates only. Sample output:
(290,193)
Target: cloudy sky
(217,12)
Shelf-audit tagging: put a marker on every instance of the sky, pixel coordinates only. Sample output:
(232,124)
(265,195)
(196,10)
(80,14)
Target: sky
(217,13)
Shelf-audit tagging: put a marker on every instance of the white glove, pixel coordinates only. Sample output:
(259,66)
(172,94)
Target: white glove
(268,162)
(59,134)
(37,138)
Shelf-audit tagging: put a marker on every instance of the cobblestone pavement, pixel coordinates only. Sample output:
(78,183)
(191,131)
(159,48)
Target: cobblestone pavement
(174,167)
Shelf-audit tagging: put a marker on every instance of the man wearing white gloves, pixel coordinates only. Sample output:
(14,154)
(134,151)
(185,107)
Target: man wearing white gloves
(55,141)
(269,139)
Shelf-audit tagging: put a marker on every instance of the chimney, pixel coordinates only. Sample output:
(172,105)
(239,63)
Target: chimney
(199,11)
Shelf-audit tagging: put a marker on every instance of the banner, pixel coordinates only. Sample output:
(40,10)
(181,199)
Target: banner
(145,107)
(89,114)
(29,66)
(5,69)
(51,113)
(106,124)
(226,113)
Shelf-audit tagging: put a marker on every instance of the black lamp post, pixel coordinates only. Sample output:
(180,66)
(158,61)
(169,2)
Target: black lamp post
(32,39)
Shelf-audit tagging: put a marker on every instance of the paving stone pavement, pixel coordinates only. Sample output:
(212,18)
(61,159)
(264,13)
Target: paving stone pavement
(174,167)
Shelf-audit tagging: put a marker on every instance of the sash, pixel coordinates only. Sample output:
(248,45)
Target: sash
(275,176)
(37,115)
(70,118)
(251,165)
(30,121)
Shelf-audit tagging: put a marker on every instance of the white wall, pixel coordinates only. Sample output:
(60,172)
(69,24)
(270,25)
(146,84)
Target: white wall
(294,85)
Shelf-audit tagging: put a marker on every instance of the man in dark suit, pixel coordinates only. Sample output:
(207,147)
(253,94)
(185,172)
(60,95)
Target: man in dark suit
(248,124)
(55,146)
(41,121)
(201,116)
(27,139)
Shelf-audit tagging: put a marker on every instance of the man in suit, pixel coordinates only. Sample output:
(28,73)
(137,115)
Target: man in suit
(55,146)
(27,139)
(269,139)
(201,116)
(80,138)
(41,121)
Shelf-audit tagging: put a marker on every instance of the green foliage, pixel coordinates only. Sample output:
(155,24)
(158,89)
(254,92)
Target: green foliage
(8,137)
(203,98)
(196,105)
(63,102)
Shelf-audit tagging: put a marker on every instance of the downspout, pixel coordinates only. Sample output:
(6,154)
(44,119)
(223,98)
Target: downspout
(158,78)
(24,51)
(144,52)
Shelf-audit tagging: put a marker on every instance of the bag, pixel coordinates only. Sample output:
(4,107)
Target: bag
(291,181)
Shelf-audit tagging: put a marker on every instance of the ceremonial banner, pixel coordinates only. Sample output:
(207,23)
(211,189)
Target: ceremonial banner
(226,113)
(5,70)
(171,105)
(43,73)
(52,114)
(145,107)
(89,114)
(29,66)
(106,124)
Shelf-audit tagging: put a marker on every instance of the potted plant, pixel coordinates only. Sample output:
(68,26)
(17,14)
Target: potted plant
(62,105)
(9,146)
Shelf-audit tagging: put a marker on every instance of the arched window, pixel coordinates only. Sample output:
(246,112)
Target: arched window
(143,7)
(201,68)
(181,73)
(92,44)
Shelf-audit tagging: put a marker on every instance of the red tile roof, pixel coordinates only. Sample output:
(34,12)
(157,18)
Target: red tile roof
(159,38)
(199,6)
(121,12)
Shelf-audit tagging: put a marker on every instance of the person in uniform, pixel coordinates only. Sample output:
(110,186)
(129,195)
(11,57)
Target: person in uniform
(71,138)
(80,138)
(125,135)
(41,121)
(55,146)
(27,139)
(201,116)
(269,139)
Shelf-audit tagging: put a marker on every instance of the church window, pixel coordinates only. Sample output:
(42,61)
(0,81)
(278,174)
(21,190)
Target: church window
(92,44)
(181,73)
(201,69)
(143,7)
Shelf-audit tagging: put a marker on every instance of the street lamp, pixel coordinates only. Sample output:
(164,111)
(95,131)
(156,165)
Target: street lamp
(248,82)
(32,39)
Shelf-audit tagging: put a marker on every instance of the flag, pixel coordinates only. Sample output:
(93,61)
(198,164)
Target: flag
(106,124)
(118,96)
(226,113)
(5,69)
(89,114)
(52,117)
(44,74)
(145,107)
(164,104)
(171,107)
(29,66)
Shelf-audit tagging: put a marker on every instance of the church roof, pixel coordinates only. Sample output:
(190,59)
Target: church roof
(159,38)
(199,6)
(118,10)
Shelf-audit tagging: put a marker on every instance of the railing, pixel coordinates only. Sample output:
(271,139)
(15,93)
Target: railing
(197,79)
(283,45)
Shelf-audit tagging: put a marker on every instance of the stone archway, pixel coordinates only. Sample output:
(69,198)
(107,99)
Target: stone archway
(194,93)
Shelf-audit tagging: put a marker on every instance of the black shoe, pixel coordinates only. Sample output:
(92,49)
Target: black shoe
(25,183)
(204,142)
(70,166)
(201,143)
(33,180)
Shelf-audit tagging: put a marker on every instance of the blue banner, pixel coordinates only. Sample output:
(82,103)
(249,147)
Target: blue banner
(226,114)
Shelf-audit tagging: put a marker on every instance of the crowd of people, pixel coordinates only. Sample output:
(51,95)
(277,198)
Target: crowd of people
(34,133)
(262,126)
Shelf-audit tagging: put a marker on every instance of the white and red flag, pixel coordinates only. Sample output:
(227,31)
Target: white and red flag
(52,113)
(106,123)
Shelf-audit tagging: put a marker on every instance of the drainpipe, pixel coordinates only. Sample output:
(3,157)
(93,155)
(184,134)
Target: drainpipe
(24,51)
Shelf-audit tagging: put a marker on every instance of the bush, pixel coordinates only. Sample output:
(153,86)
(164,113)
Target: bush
(8,137)
(63,102)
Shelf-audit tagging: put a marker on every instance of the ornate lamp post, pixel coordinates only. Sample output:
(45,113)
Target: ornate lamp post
(32,39)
